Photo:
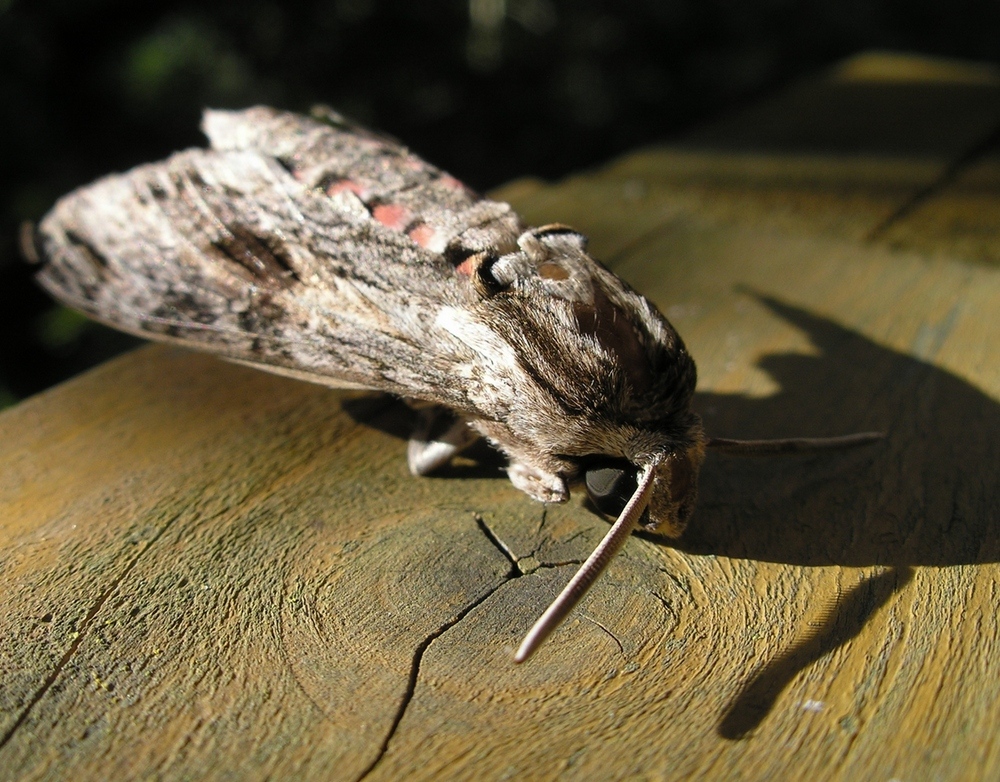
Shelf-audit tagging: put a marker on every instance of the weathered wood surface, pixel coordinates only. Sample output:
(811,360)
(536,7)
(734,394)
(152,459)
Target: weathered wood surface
(210,572)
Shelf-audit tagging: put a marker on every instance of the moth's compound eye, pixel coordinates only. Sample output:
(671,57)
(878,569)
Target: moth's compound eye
(610,488)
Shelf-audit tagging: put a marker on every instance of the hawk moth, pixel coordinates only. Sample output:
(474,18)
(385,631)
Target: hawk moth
(311,247)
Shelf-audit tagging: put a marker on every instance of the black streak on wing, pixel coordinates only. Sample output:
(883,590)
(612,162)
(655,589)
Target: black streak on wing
(263,256)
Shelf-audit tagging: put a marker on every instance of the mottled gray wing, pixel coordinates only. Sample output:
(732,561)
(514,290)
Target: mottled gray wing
(303,246)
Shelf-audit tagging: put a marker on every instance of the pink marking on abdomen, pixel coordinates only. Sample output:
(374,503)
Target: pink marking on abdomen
(465,267)
(392,216)
(429,237)
(423,235)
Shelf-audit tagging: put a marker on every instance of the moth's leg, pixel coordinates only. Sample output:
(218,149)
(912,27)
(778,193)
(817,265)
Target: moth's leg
(537,483)
(542,477)
(438,436)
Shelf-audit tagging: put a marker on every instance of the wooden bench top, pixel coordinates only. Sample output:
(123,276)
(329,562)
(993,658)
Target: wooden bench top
(212,572)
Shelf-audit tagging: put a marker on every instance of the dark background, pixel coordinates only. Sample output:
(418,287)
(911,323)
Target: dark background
(487,89)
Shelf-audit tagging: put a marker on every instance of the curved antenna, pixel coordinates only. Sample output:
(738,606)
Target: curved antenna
(792,444)
(591,569)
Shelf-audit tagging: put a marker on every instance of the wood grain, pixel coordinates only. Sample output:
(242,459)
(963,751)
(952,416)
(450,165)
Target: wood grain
(215,573)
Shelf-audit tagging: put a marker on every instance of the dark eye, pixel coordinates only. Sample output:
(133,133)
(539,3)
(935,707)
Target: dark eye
(610,488)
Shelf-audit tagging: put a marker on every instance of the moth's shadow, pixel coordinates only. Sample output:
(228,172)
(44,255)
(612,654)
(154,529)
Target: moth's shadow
(847,615)
(928,495)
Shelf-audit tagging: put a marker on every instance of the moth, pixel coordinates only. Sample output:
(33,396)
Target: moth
(314,248)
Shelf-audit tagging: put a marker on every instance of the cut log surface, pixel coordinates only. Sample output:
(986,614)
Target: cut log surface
(211,572)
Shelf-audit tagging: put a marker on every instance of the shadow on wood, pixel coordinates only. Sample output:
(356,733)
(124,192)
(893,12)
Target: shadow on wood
(905,499)
(846,620)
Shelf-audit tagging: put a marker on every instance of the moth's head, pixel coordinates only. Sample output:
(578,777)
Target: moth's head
(611,483)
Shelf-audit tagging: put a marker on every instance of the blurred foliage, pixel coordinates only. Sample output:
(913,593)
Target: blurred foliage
(488,89)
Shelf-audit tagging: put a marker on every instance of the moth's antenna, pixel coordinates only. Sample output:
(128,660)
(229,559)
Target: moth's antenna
(792,444)
(591,569)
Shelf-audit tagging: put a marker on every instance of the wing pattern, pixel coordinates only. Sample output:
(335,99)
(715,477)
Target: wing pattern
(299,245)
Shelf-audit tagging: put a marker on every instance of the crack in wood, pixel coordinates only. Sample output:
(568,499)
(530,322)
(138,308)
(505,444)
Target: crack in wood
(632,246)
(541,525)
(621,647)
(418,654)
(95,609)
(950,173)
(665,604)
(81,634)
(411,685)
(503,547)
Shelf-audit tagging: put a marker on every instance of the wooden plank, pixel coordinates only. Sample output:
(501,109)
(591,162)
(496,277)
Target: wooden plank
(218,573)
(844,156)
(157,584)
(958,219)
